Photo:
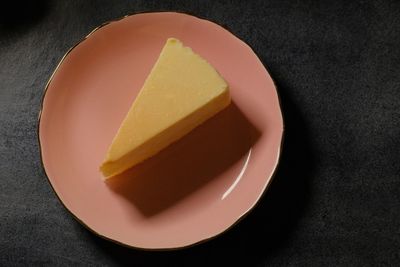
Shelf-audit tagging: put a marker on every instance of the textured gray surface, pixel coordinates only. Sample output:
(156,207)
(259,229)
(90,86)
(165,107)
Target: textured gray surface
(336,197)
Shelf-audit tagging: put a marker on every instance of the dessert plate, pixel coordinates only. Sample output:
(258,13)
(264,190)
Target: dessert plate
(195,189)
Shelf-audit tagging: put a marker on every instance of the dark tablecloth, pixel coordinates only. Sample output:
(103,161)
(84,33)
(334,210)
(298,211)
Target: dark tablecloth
(336,197)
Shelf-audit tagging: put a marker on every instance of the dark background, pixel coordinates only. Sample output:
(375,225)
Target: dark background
(336,197)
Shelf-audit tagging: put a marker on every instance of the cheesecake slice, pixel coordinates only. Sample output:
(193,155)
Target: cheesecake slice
(181,92)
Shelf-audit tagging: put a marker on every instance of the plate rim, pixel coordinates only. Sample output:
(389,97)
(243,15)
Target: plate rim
(203,240)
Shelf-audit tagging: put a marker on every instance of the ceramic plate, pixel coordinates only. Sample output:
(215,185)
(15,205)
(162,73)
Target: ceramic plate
(193,190)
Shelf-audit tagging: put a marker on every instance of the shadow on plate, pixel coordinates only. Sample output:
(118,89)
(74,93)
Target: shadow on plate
(265,231)
(184,167)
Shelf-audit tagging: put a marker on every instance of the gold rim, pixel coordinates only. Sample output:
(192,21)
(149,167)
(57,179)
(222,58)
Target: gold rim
(239,219)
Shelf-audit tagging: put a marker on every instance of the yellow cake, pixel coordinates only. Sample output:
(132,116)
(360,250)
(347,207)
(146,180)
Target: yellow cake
(181,92)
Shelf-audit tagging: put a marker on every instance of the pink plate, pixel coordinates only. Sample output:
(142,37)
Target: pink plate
(193,190)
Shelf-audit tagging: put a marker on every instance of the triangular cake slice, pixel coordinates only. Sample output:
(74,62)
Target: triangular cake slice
(181,92)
